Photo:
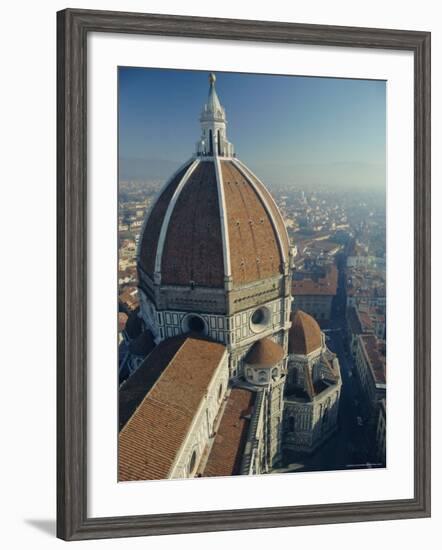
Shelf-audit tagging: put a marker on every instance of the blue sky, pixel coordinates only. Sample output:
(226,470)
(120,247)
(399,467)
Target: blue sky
(303,129)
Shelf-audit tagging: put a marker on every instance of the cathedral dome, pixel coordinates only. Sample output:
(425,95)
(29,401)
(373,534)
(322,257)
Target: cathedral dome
(304,335)
(265,353)
(214,222)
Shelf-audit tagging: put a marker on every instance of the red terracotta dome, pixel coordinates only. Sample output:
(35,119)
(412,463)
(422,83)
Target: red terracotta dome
(265,353)
(304,335)
(212,221)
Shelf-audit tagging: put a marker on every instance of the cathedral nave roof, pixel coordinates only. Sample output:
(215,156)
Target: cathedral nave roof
(158,404)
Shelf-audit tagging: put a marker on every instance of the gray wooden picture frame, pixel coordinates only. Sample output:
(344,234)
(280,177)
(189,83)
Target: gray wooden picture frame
(73,27)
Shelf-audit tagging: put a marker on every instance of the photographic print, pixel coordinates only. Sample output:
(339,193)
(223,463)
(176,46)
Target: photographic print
(251,274)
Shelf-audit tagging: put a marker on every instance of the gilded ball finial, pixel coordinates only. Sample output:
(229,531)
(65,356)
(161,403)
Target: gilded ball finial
(212,78)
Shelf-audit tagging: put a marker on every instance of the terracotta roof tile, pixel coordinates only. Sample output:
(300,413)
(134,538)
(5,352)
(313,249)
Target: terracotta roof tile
(265,353)
(373,348)
(151,233)
(324,286)
(133,391)
(193,249)
(153,434)
(304,334)
(254,250)
(226,453)
(282,230)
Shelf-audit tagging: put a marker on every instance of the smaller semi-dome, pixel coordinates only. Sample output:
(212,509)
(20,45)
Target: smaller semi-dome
(304,335)
(265,353)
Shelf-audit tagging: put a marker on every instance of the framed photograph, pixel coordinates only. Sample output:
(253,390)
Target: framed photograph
(243,271)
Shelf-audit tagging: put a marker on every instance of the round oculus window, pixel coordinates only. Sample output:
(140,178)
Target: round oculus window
(260,319)
(195,324)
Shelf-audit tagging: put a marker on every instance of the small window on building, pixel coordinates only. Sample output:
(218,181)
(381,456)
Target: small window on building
(263,376)
(291,423)
(220,391)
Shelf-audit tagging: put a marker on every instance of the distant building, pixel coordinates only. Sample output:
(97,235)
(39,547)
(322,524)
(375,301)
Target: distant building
(129,298)
(371,371)
(314,293)
(366,261)
(365,287)
(364,320)
(373,320)
(354,329)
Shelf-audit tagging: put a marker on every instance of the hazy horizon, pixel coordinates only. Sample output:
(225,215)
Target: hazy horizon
(288,129)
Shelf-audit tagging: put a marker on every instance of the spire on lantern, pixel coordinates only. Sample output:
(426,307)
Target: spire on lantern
(213,141)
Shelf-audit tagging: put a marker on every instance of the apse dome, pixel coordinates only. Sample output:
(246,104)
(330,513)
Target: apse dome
(214,223)
(305,335)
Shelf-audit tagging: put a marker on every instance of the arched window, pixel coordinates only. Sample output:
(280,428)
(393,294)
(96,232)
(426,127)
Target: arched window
(210,143)
(262,376)
(219,143)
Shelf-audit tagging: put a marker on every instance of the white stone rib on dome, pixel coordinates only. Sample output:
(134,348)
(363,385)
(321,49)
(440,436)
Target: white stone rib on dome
(169,211)
(154,202)
(224,224)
